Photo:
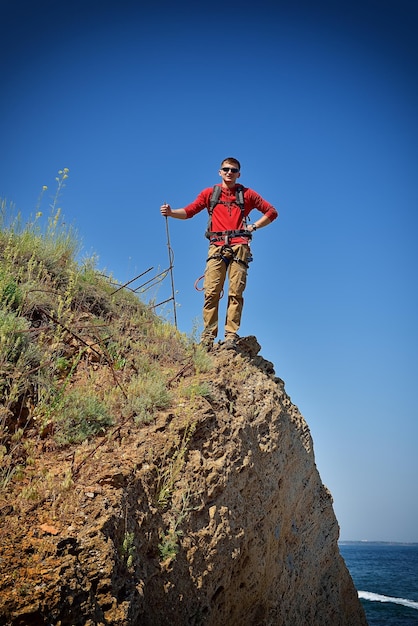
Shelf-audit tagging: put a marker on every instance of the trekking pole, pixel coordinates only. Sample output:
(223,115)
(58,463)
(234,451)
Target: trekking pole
(170,260)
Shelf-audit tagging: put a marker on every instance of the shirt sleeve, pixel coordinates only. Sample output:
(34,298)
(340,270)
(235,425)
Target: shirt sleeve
(255,201)
(201,202)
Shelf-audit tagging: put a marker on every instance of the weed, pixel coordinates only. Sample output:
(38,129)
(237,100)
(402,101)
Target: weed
(65,332)
(116,356)
(62,364)
(197,389)
(8,469)
(169,474)
(10,293)
(170,539)
(78,416)
(13,337)
(128,548)
(201,359)
(169,545)
(146,393)
(60,179)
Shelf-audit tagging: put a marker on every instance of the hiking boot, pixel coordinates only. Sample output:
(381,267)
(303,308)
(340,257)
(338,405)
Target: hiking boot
(231,342)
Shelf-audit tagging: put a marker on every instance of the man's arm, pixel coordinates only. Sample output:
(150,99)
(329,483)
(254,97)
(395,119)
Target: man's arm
(269,213)
(201,202)
(262,221)
(167,211)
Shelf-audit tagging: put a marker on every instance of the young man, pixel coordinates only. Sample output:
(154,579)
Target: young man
(229,246)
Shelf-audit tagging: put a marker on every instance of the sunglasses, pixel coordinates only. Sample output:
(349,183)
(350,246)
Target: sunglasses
(234,170)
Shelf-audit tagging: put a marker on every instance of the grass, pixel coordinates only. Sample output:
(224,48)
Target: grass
(128,548)
(169,545)
(78,355)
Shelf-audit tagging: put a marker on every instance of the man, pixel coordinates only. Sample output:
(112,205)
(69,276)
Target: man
(229,246)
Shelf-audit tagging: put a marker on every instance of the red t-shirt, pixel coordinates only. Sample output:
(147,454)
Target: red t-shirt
(227,214)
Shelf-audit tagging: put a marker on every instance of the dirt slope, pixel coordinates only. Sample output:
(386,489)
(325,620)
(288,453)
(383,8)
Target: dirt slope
(212,514)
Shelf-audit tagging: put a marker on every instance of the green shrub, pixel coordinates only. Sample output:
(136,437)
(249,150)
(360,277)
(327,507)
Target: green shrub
(14,336)
(78,416)
(10,293)
(197,389)
(146,394)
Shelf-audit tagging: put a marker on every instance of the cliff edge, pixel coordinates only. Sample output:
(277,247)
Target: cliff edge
(213,514)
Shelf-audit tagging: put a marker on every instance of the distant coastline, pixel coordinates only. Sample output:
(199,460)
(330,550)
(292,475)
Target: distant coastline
(368,542)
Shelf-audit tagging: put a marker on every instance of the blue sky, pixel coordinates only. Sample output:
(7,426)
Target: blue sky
(319,102)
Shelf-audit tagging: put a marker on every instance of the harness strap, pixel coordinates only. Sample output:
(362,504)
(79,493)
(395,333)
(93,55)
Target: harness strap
(227,255)
(226,235)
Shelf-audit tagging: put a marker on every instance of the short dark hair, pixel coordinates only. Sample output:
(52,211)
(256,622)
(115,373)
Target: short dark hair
(232,160)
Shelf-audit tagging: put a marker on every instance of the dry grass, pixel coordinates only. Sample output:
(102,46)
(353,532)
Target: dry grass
(78,357)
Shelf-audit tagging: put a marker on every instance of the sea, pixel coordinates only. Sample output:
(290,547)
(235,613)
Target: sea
(386,578)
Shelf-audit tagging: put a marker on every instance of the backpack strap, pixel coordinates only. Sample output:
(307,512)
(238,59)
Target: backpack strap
(239,195)
(216,194)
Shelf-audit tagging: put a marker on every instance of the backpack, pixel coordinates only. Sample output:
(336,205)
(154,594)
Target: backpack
(214,200)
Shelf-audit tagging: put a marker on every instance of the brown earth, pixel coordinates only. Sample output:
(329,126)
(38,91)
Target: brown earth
(213,514)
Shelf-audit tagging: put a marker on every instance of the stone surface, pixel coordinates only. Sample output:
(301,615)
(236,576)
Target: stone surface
(214,514)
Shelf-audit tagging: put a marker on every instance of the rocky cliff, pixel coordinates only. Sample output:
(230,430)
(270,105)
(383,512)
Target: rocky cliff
(212,514)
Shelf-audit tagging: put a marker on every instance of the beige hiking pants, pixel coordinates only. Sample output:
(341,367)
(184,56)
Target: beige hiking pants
(215,275)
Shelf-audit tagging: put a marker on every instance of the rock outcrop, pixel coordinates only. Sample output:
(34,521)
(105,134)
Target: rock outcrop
(213,514)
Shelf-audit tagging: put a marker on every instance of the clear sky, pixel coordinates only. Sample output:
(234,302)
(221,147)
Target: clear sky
(319,101)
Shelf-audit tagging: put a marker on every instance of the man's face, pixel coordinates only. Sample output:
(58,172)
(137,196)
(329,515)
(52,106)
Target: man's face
(229,173)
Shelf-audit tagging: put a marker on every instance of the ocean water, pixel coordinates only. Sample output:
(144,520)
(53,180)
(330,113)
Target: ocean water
(386,578)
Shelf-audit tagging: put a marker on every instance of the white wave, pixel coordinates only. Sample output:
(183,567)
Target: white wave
(375,597)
